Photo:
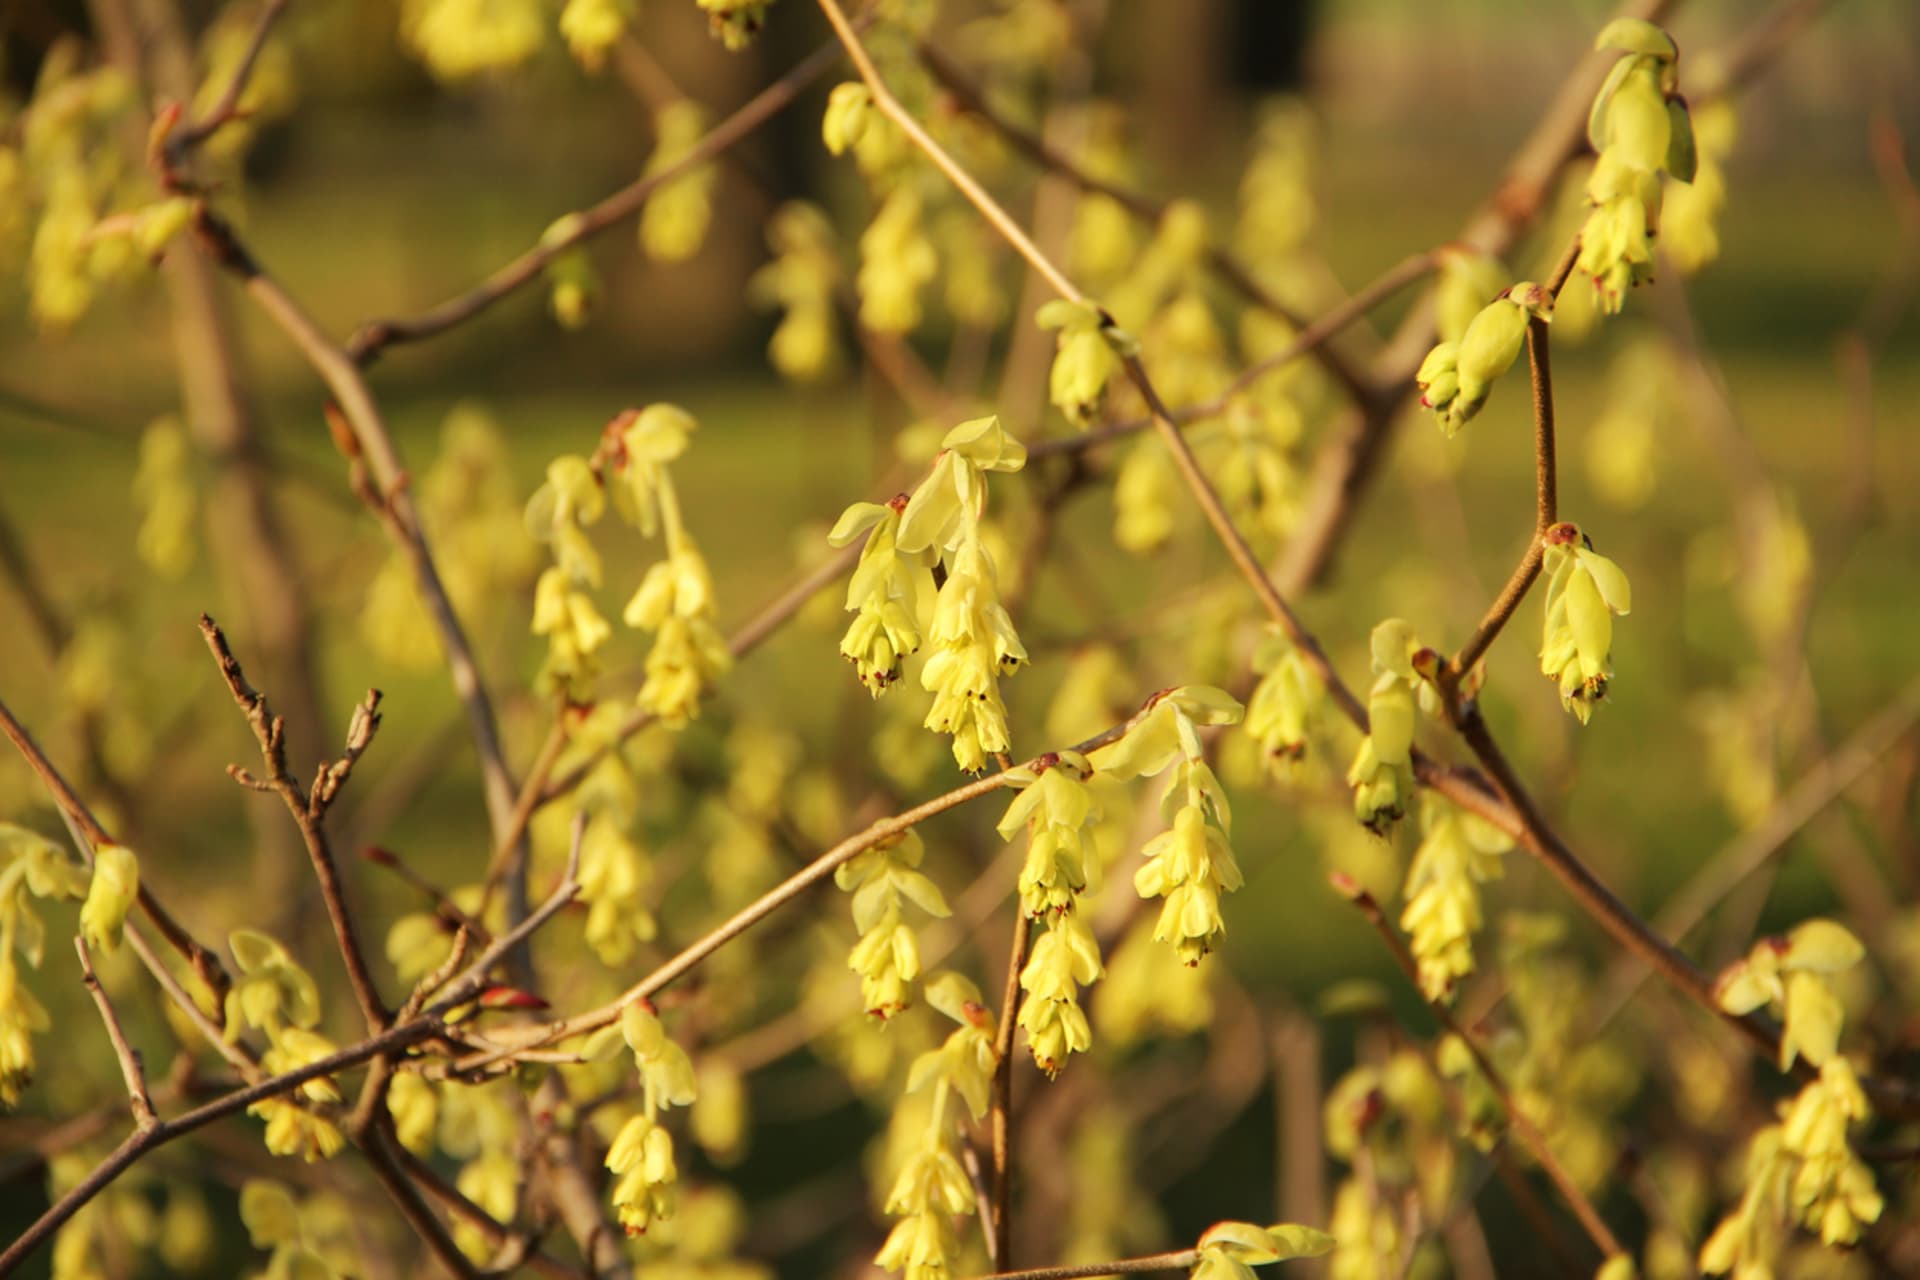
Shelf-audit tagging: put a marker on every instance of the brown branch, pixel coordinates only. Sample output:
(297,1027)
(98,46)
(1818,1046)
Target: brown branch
(689,957)
(375,336)
(1173,1260)
(393,498)
(1753,848)
(414,1208)
(308,810)
(1546,511)
(1002,1118)
(131,1072)
(1530,1134)
(1309,339)
(184,138)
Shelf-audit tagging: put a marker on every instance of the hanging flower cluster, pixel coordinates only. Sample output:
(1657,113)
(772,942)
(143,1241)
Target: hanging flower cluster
(801,281)
(642,1153)
(1285,702)
(1059,812)
(887,956)
(1639,126)
(675,598)
(1381,774)
(559,514)
(31,866)
(1584,591)
(1803,1169)
(931,1188)
(275,995)
(1191,863)
(973,640)
(1459,852)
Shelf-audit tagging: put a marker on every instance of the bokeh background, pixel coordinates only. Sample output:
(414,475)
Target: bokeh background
(1784,463)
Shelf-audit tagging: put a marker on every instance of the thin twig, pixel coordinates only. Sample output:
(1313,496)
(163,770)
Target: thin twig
(1173,1260)
(1002,1120)
(1530,1134)
(131,1071)
(308,810)
(375,336)
(226,107)
(1546,511)
(772,900)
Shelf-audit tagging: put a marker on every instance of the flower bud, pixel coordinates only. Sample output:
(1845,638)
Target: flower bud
(115,886)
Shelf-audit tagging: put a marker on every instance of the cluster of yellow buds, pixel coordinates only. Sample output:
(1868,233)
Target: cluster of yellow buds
(675,598)
(559,514)
(468,499)
(1087,355)
(1284,704)
(1691,211)
(592,27)
(972,638)
(31,866)
(1381,774)
(1802,1169)
(458,39)
(1457,377)
(1584,591)
(897,261)
(1639,126)
(1191,863)
(1059,812)
(1458,853)
(276,995)
(302,1240)
(164,495)
(642,1152)
(890,593)
(674,224)
(931,1186)
(801,280)
(1389,1121)
(887,956)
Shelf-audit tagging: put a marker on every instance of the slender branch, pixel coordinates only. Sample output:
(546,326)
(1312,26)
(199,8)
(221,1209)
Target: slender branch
(309,810)
(414,1208)
(1002,1119)
(1752,849)
(138,1143)
(375,336)
(1173,1260)
(1309,339)
(372,444)
(131,1072)
(1546,511)
(226,107)
(516,1038)
(1530,1134)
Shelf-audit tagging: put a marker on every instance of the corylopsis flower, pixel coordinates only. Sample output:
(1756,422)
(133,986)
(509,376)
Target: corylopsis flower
(1584,591)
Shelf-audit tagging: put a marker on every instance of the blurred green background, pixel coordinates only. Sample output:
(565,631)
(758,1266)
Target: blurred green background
(381,195)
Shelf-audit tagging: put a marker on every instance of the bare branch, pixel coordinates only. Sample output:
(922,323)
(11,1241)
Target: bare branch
(132,1073)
